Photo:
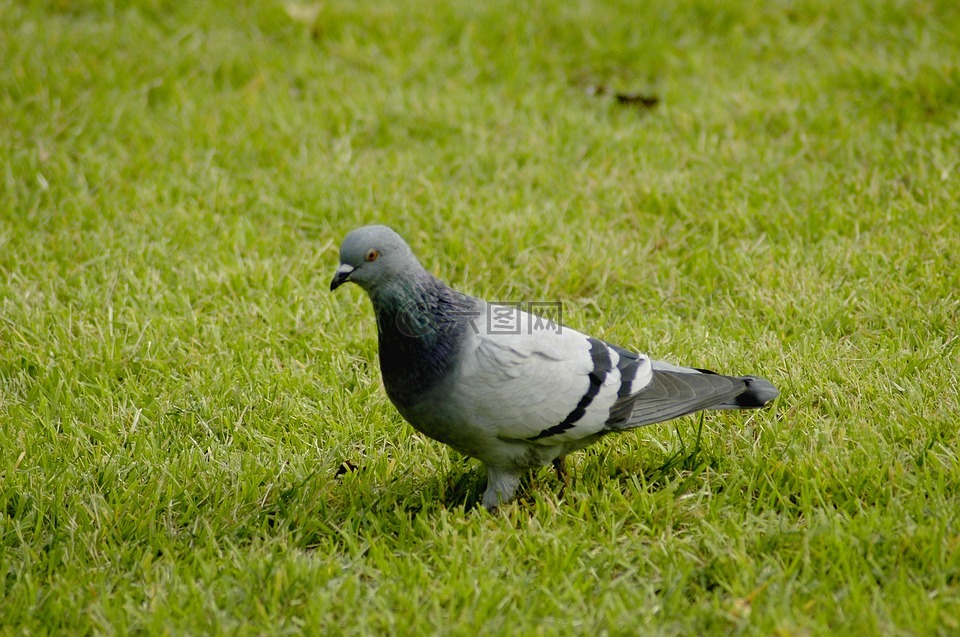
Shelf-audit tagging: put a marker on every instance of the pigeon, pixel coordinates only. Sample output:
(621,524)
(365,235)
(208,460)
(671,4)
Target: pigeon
(517,392)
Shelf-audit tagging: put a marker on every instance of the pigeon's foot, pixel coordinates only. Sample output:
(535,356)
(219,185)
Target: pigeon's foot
(501,487)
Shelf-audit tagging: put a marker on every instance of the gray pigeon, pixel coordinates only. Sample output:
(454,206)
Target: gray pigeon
(518,398)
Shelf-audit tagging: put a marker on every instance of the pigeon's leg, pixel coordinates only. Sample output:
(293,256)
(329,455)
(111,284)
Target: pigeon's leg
(560,466)
(501,487)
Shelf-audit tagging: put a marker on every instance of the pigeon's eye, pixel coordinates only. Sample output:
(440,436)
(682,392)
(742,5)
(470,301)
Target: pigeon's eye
(372,255)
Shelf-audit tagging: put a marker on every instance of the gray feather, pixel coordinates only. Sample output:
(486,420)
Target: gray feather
(677,391)
(673,394)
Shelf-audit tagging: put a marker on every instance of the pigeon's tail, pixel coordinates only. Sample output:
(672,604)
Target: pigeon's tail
(759,393)
(676,391)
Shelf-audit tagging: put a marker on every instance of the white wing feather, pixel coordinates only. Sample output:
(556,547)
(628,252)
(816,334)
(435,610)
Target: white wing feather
(517,386)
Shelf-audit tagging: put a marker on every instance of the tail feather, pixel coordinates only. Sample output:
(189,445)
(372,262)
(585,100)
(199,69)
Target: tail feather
(759,393)
(676,391)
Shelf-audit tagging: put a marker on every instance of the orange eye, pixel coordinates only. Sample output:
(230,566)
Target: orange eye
(372,255)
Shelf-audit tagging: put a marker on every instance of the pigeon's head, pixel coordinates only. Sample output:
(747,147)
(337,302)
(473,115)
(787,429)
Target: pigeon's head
(372,256)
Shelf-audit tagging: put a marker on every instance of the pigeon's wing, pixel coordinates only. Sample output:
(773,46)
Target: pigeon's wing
(558,386)
(547,386)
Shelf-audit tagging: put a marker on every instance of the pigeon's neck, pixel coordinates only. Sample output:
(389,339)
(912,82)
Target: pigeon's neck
(420,325)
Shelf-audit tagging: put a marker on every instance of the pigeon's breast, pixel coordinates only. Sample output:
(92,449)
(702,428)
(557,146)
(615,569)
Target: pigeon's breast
(420,334)
(439,418)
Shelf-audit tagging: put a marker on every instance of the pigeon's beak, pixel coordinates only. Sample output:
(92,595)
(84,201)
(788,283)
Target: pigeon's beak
(341,276)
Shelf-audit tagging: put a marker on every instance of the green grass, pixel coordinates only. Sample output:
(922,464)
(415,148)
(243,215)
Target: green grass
(178,388)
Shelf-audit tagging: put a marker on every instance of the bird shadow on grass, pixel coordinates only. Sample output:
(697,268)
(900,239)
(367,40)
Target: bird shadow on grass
(684,461)
(678,471)
(345,508)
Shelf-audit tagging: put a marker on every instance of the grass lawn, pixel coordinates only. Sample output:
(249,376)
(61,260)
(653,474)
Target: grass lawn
(179,390)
